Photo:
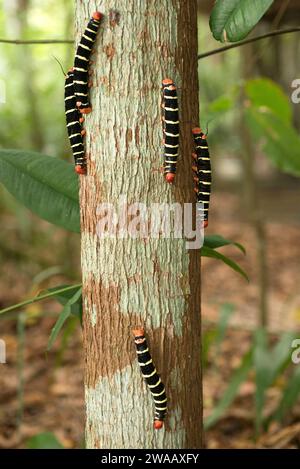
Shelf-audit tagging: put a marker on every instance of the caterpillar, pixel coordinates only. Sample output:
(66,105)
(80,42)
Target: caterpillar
(202,173)
(73,120)
(151,377)
(170,128)
(81,63)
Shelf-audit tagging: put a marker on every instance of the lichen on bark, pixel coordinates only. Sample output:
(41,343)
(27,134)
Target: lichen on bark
(131,282)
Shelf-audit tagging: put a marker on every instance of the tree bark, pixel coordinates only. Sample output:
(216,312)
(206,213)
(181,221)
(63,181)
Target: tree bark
(154,283)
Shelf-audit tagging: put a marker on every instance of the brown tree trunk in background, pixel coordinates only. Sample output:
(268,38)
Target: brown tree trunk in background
(128,282)
(251,204)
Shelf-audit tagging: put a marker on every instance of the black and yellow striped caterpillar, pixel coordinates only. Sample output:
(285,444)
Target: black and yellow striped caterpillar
(203,174)
(73,120)
(81,63)
(170,128)
(151,377)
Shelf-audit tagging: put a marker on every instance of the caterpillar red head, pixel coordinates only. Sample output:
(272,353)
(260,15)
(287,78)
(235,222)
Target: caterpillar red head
(80,169)
(97,15)
(151,377)
(170,128)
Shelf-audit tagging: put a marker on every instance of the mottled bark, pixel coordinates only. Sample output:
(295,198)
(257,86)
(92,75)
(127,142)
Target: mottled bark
(154,283)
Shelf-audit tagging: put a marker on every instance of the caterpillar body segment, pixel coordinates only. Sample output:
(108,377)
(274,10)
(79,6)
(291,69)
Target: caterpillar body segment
(74,128)
(81,63)
(202,170)
(151,377)
(170,128)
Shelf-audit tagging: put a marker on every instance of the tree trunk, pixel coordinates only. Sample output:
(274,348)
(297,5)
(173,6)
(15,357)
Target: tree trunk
(154,283)
(250,196)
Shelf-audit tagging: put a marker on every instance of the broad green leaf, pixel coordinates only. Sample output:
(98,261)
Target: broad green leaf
(65,313)
(42,296)
(221,105)
(280,141)
(217,241)
(265,93)
(209,252)
(217,108)
(232,20)
(239,376)
(46,185)
(44,441)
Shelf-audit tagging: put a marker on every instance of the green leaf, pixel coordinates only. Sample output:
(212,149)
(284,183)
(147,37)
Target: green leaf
(217,241)
(44,441)
(239,376)
(226,312)
(64,294)
(221,104)
(40,297)
(63,317)
(208,252)
(290,395)
(46,185)
(268,365)
(262,374)
(217,108)
(232,20)
(265,93)
(280,141)
(207,340)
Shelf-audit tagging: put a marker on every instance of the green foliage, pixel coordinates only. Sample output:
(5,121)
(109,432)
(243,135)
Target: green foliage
(64,293)
(268,364)
(217,108)
(34,116)
(269,116)
(217,241)
(209,252)
(55,292)
(289,396)
(44,441)
(46,185)
(231,392)
(232,20)
(280,141)
(214,337)
(226,312)
(264,93)
(65,313)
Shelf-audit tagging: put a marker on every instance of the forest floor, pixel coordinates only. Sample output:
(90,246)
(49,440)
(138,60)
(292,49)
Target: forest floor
(43,392)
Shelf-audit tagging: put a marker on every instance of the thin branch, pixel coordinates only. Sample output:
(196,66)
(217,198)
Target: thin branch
(38,41)
(248,41)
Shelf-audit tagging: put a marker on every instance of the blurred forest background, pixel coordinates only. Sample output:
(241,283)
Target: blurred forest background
(251,387)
